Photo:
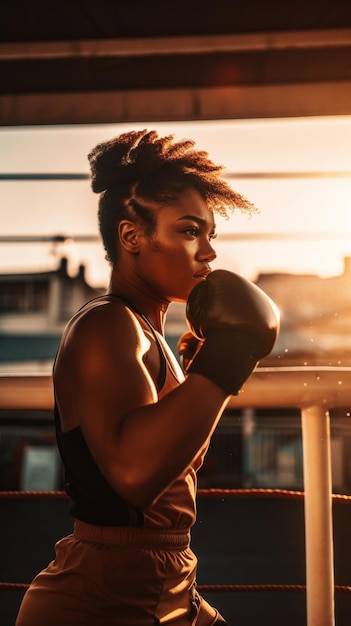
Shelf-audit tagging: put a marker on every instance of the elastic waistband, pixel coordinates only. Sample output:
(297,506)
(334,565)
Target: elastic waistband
(131,537)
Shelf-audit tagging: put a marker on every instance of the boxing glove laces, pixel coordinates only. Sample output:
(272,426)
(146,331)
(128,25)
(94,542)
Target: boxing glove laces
(236,323)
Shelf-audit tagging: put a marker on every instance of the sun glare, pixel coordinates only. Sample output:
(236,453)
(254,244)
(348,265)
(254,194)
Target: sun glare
(294,170)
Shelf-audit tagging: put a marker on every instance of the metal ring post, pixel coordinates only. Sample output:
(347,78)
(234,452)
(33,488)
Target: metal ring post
(318,516)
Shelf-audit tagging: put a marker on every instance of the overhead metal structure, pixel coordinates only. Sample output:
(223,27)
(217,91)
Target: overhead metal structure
(105,62)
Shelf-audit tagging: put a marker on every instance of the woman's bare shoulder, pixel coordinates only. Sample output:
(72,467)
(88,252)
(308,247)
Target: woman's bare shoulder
(98,313)
(102,323)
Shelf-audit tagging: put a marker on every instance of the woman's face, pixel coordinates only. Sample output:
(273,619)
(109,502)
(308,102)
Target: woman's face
(178,254)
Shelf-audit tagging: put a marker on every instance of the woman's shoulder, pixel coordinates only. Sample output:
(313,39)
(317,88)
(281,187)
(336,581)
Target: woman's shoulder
(104,307)
(107,318)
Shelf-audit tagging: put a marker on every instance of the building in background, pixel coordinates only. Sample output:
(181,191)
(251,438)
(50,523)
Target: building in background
(34,309)
(315,317)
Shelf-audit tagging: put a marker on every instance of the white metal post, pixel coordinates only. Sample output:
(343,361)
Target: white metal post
(318,516)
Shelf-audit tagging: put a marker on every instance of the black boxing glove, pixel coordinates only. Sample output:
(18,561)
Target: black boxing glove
(188,346)
(238,323)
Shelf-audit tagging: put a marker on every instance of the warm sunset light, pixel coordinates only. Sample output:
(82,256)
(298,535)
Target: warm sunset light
(297,172)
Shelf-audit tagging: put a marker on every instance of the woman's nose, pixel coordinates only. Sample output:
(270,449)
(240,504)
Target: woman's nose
(207,253)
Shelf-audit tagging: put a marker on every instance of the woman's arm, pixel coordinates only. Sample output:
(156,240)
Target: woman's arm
(141,444)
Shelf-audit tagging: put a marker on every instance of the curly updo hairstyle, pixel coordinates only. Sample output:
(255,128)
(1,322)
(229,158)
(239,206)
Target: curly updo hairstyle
(140,167)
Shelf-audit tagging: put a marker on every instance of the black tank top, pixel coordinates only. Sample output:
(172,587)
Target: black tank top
(94,500)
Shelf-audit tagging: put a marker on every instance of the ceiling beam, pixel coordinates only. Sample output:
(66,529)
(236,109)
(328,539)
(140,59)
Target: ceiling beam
(185,78)
(202,44)
(244,102)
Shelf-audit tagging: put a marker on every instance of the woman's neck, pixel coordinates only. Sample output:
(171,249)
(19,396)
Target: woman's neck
(154,309)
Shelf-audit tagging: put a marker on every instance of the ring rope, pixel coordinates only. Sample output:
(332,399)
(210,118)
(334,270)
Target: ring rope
(206,493)
(266,588)
(218,588)
(202,493)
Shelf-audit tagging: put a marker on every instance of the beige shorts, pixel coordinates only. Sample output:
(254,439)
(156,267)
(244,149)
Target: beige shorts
(118,577)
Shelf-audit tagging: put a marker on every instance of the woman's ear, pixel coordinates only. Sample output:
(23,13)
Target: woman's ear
(128,233)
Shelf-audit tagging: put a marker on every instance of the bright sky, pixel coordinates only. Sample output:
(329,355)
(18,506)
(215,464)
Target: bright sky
(259,152)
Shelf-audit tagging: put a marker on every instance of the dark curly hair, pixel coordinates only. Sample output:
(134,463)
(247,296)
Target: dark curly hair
(140,167)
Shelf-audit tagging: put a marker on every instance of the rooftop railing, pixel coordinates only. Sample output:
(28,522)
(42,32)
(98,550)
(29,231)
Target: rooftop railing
(312,390)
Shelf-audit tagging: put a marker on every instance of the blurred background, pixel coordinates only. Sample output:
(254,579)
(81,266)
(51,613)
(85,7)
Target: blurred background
(265,88)
(297,248)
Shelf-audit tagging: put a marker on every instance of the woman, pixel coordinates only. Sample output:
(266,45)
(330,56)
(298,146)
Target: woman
(131,429)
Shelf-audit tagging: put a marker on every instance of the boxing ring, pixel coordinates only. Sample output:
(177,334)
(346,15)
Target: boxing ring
(314,391)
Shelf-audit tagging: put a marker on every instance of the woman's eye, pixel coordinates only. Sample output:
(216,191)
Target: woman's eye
(193,232)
